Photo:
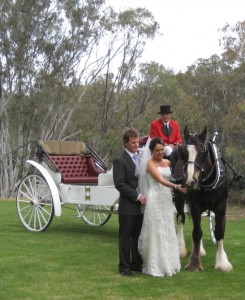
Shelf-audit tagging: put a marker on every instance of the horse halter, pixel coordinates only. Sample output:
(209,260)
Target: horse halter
(209,157)
(202,171)
(199,166)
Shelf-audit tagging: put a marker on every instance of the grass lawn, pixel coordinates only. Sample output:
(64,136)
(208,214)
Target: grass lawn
(72,260)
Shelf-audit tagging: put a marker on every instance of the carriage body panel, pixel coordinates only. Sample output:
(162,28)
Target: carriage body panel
(88,194)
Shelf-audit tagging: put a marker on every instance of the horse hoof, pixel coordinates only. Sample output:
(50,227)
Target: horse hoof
(224,267)
(193,268)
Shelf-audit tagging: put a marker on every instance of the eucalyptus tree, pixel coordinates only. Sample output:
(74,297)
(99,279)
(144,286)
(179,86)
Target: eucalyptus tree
(217,85)
(51,52)
(110,104)
(233,42)
(135,104)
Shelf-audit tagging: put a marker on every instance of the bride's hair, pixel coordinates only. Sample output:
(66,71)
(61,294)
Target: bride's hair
(155,142)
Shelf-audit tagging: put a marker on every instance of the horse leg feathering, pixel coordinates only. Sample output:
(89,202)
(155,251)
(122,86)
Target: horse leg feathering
(222,263)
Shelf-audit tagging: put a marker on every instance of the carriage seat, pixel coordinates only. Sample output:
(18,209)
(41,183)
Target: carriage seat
(77,169)
(143,140)
(72,162)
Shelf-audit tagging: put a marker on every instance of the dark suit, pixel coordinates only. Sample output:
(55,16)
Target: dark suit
(156,130)
(130,214)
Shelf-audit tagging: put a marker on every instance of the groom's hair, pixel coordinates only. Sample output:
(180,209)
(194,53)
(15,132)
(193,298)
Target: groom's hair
(130,133)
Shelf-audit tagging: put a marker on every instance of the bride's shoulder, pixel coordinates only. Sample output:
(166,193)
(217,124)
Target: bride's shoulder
(165,163)
(150,163)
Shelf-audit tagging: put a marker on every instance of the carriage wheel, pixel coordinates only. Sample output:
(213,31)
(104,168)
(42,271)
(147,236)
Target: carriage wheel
(95,215)
(34,203)
(212,226)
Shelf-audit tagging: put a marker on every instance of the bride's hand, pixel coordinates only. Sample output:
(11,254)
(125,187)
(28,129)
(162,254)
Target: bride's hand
(181,189)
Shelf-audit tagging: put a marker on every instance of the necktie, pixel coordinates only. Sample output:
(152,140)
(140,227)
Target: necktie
(134,158)
(165,130)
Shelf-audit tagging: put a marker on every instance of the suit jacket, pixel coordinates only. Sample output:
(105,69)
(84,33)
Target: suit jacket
(174,132)
(126,183)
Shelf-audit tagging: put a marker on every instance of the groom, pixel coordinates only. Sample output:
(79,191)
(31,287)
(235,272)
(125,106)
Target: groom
(129,211)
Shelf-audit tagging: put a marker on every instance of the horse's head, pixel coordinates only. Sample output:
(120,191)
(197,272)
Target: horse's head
(189,161)
(195,167)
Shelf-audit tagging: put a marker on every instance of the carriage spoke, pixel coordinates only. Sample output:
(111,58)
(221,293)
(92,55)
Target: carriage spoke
(31,183)
(30,210)
(38,216)
(26,207)
(28,194)
(42,210)
(95,215)
(31,217)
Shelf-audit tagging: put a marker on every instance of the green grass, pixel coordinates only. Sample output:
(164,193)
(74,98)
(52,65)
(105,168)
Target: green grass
(72,260)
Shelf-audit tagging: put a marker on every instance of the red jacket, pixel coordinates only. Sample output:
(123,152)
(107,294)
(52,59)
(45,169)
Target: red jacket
(174,129)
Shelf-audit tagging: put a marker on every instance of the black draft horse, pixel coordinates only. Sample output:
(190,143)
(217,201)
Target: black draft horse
(197,164)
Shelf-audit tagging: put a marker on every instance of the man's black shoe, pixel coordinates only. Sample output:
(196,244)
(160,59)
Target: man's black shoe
(136,270)
(126,273)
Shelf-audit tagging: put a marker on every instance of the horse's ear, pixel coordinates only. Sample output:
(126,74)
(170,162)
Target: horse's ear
(203,135)
(186,132)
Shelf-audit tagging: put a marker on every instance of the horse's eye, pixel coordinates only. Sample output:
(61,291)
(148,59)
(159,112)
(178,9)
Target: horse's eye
(203,149)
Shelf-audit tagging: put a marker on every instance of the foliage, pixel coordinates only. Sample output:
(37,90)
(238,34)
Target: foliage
(233,41)
(50,54)
(217,90)
(70,70)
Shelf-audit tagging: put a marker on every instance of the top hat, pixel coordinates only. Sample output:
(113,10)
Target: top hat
(165,109)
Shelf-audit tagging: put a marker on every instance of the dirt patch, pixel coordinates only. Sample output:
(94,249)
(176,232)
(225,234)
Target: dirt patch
(234,212)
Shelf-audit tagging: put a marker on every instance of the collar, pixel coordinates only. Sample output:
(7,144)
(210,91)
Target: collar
(165,123)
(131,154)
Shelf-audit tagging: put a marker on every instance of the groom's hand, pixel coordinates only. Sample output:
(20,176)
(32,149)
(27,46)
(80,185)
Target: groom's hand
(142,199)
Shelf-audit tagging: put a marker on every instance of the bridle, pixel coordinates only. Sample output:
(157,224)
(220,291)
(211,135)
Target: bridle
(200,167)
(217,173)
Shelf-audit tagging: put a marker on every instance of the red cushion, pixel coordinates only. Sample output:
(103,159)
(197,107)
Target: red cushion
(143,140)
(74,169)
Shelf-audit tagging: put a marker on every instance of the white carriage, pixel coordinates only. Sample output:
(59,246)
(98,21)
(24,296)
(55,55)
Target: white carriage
(67,172)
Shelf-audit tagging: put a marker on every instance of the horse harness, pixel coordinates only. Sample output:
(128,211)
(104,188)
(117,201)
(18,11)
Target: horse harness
(217,175)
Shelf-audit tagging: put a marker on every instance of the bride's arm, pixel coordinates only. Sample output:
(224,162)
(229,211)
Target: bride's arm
(153,171)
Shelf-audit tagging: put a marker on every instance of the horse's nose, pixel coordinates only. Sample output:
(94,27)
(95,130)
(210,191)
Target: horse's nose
(192,183)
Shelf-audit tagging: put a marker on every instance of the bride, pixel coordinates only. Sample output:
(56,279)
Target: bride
(158,243)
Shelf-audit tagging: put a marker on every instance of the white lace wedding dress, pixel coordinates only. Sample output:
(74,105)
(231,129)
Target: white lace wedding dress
(158,244)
